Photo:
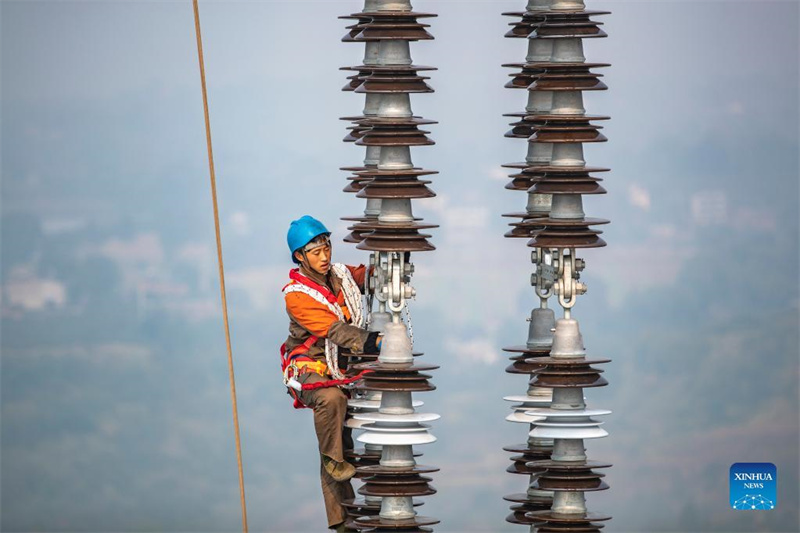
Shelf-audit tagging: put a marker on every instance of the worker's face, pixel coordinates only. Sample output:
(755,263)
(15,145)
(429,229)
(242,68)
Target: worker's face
(318,259)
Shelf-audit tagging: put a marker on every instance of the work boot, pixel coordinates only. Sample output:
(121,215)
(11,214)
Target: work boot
(341,528)
(339,471)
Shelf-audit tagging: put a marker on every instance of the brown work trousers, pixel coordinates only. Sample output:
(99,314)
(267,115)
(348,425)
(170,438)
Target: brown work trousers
(330,405)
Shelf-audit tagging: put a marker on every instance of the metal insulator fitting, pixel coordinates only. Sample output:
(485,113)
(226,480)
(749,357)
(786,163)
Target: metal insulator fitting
(567,5)
(396,105)
(394,52)
(392,5)
(568,103)
(566,155)
(395,158)
(567,206)
(568,51)
(539,50)
(538,5)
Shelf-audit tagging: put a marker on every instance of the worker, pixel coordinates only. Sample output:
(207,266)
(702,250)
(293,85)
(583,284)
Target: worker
(323,301)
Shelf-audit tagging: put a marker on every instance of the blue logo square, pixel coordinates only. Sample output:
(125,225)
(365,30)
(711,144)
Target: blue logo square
(753,486)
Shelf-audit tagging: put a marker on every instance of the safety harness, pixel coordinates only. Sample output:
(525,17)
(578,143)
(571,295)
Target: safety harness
(296,363)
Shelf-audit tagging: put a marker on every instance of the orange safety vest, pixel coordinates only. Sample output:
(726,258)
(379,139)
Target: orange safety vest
(296,359)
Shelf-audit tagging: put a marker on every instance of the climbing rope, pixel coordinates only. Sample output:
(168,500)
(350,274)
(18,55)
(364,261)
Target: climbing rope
(219,258)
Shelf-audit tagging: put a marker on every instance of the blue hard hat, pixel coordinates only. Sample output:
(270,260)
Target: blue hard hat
(302,231)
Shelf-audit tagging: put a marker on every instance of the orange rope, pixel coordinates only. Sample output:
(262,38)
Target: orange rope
(221,269)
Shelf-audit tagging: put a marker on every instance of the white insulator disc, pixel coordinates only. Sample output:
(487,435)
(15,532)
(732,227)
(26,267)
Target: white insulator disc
(397,419)
(523,417)
(372,426)
(352,423)
(568,433)
(396,439)
(531,401)
(550,423)
(376,404)
(567,412)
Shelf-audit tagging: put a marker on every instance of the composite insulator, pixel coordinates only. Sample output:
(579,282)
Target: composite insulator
(554,175)
(382,407)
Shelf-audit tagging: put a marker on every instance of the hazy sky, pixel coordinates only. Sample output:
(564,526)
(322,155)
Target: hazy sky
(115,407)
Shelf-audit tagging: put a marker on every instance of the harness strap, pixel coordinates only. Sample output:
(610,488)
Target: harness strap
(297,276)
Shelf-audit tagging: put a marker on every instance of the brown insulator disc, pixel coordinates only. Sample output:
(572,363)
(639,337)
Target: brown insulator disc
(395,136)
(401,377)
(363,453)
(394,82)
(369,69)
(568,380)
(574,370)
(358,169)
(524,497)
(414,486)
(565,80)
(519,183)
(525,229)
(555,238)
(397,15)
(397,470)
(396,525)
(355,184)
(572,133)
(568,233)
(520,468)
(520,130)
(560,518)
(355,80)
(550,170)
(529,449)
(566,466)
(376,225)
(400,240)
(562,119)
(548,66)
(519,513)
(400,173)
(522,462)
(524,215)
(588,527)
(523,366)
(522,79)
(566,363)
(399,530)
(394,121)
(354,133)
(575,31)
(527,351)
(421,385)
(354,29)
(383,188)
(520,165)
(394,31)
(576,185)
(576,25)
(357,231)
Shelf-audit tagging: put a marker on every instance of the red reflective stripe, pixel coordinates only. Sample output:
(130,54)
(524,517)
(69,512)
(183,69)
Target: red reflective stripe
(324,291)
